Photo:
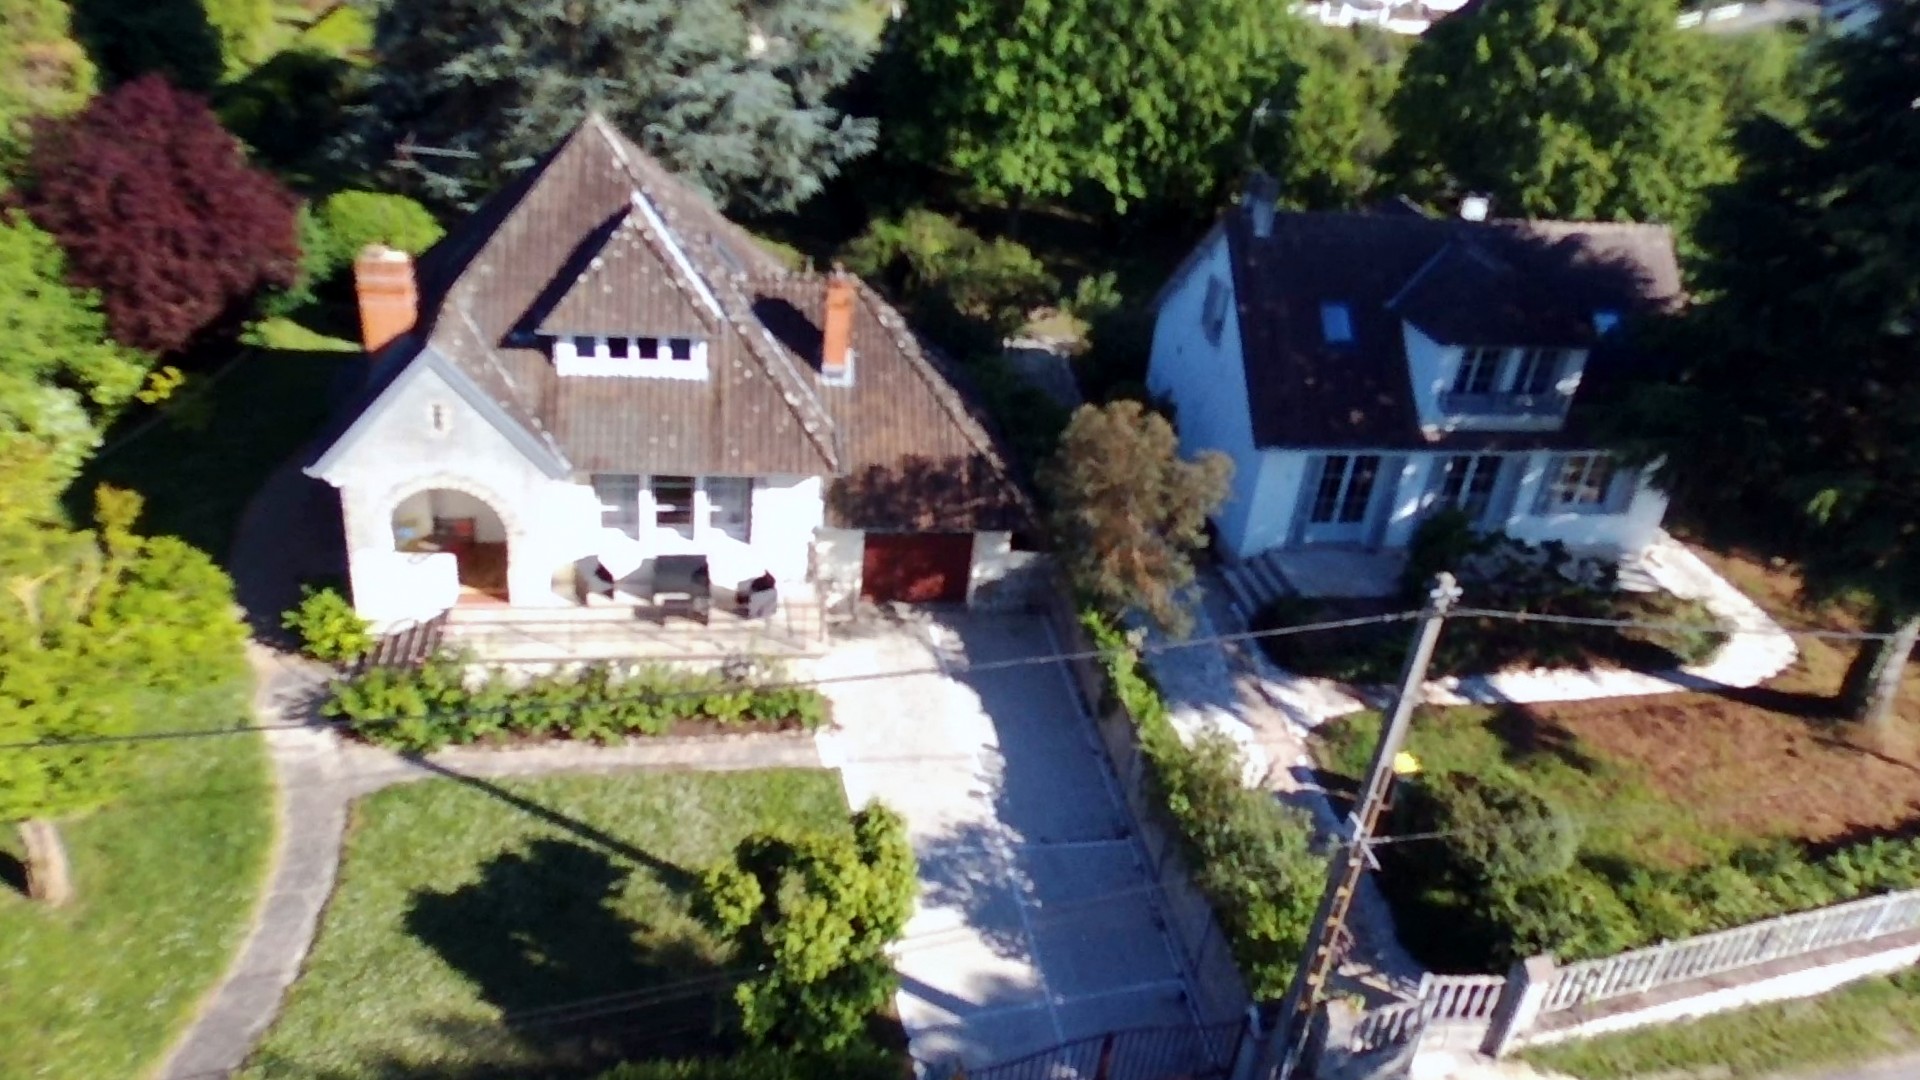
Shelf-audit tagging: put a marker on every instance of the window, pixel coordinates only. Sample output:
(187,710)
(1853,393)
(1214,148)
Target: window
(1466,483)
(1213,316)
(1336,323)
(1479,371)
(647,348)
(619,497)
(585,346)
(1539,372)
(730,505)
(682,348)
(439,418)
(1581,483)
(619,348)
(673,503)
(1345,489)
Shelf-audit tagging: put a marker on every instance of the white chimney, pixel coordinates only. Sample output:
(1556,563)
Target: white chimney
(1475,207)
(1258,201)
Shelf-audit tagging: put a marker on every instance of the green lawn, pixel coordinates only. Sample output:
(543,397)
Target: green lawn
(202,460)
(1869,1019)
(465,904)
(167,877)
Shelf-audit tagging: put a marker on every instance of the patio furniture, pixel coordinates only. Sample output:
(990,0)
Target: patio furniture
(682,585)
(757,599)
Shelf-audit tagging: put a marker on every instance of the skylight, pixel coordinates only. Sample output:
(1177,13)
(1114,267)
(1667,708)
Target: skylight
(1336,323)
(1604,321)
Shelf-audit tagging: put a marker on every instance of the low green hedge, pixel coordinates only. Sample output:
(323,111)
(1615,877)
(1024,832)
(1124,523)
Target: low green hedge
(1251,856)
(437,704)
(1506,879)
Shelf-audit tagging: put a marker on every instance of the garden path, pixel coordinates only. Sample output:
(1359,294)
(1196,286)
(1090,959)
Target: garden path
(318,776)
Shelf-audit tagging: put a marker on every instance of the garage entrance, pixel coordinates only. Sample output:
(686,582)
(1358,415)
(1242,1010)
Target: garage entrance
(918,568)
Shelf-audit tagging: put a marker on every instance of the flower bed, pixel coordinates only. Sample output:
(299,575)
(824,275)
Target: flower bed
(439,704)
(1499,573)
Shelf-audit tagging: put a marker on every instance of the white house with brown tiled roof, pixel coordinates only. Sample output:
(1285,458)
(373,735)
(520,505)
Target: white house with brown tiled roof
(1364,370)
(597,383)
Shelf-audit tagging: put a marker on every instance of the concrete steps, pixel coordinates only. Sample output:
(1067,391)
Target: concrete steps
(1254,583)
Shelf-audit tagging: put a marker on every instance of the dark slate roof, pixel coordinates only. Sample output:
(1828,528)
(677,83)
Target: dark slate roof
(1511,283)
(598,238)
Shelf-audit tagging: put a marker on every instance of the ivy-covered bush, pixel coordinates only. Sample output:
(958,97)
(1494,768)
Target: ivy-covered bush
(438,704)
(330,630)
(1499,572)
(1252,857)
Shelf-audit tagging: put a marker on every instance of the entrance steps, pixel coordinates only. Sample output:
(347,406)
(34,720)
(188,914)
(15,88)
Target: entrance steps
(1254,583)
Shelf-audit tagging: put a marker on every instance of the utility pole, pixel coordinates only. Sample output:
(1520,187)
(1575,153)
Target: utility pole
(1325,941)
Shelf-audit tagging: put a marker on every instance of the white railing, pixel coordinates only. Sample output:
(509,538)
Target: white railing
(1728,950)
(1390,1025)
(1461,999)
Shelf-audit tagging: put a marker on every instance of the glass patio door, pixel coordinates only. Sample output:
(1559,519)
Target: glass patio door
(1342,498)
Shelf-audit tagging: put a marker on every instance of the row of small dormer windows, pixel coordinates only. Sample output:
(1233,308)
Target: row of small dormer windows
(642,357)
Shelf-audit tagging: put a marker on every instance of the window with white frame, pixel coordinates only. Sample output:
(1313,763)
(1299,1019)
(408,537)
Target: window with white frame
(1582,484)
(1539,371)
(1479,370)
(619,497)
(1345,489)
(687,505)
(1466,483)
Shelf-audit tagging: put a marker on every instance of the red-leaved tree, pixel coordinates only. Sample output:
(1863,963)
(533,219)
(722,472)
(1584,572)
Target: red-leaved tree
(159,211)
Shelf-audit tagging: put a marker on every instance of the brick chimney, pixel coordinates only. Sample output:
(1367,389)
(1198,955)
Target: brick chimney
(836,336)
(389,300)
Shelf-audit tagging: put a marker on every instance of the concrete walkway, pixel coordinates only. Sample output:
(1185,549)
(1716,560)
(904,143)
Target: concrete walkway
(1037,921)
(319,775)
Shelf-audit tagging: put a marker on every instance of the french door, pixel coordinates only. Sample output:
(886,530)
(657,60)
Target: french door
(1341,497)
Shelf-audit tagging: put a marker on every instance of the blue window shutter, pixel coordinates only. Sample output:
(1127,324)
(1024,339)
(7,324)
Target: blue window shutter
(1543,499)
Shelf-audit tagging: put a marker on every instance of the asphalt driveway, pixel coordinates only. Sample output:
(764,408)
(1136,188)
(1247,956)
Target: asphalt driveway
(1036,922)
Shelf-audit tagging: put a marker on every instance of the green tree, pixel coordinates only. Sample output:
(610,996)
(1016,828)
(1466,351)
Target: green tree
(1142,99)
(43,70)
(812,915)
(1799,404)
(1324,136)
(1129,511)
(1760,75)
(1580,109)
(734,97)
(61,380)
(89,622)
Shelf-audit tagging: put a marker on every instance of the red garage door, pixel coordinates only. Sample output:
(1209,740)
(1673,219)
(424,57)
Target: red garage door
(920,568)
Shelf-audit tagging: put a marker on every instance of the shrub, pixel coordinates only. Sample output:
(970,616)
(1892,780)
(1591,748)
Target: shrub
(330,630)
(968,292)
(1503,833)
(1575,916)
(1250,856)
(811,916)
(1031,420)
(350,220)
(437,704)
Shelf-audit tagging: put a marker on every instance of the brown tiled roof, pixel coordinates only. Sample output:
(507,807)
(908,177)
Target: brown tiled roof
(599,239)
(1498,283)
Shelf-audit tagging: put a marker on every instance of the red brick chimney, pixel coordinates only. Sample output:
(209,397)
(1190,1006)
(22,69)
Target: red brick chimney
(836,337)
(389,300)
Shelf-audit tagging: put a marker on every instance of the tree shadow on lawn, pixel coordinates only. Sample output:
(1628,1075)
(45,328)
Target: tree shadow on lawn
(540,935)
(1526,735)
(13,873)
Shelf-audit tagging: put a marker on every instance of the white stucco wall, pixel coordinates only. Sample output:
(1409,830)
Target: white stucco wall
(546,523)
(1003,579)
(1431,366)
(787,510)
(838,558)
(1207,385)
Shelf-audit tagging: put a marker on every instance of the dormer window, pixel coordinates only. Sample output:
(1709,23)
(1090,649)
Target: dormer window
(1336,323)
(1479,371)
(631,357)
(1539,371)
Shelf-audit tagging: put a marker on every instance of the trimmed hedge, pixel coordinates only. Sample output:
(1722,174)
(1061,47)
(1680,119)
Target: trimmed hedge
(437,704)
(1251,856)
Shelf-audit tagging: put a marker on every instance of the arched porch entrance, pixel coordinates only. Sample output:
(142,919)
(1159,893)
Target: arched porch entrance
(460,524)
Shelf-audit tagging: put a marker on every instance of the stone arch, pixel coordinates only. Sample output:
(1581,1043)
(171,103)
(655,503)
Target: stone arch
(487,558)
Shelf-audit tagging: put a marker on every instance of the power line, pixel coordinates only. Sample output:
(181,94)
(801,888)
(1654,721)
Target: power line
(665,695)
(1148,647)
